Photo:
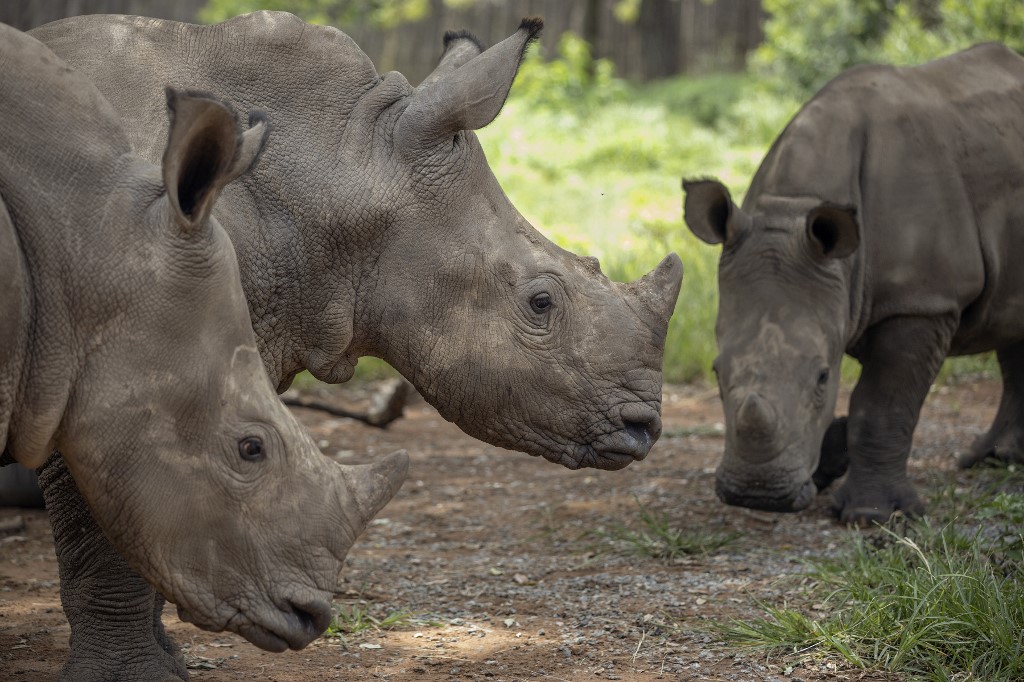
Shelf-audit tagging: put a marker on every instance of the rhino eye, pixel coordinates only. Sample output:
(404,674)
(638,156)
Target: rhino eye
(251,449)
(540,303)
(822,377)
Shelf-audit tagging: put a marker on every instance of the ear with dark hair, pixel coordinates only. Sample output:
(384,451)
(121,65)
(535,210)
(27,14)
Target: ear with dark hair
(459,48)
(710,213)
(463,98)
(833,230)
(205,152)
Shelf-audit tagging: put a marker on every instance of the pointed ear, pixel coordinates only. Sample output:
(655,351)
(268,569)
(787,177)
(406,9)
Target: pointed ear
(710,213)
(205,152)
(833,230)
(459,48)
(464,98)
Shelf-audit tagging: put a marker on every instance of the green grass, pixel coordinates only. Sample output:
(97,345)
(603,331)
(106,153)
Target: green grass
(933,602)
(655,537)
(359,618)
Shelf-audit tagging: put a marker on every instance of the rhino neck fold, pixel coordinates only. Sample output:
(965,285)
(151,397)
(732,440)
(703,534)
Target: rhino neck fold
(298,292)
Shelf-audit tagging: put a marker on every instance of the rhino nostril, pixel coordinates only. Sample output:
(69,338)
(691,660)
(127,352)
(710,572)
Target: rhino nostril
(642,432)
(312,617)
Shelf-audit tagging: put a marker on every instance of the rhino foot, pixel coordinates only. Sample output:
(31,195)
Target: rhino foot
(151,664)
(865,503)
(998,445)
(116,631)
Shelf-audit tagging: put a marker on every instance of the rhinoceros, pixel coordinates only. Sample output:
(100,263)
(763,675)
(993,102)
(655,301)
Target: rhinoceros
(372,226)
(125,342)
(886,222)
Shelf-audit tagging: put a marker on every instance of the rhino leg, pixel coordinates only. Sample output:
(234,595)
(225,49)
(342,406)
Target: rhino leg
(116,632)
(835,456)
(901,357)
(1005,438)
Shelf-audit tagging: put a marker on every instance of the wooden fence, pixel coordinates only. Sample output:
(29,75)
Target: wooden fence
(668,36)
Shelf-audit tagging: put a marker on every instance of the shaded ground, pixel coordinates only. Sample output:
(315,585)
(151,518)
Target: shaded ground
(505,564)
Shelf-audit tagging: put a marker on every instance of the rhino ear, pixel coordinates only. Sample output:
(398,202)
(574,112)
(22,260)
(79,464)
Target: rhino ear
(459,48)
(463,98)
(710,213)
(833,230)
(205,152)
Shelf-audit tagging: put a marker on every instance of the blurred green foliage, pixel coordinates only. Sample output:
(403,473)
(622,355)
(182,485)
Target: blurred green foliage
(808,43)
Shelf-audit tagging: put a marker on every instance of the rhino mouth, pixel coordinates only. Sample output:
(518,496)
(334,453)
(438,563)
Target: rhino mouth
(619,449)
(791,500)
(614,454)
(292,627)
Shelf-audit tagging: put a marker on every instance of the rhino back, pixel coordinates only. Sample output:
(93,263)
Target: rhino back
(265,60)
(932,158)
(60,148)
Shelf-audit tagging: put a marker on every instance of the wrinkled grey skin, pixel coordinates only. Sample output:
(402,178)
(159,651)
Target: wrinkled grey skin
(886,222)
(372,225)
(126,344)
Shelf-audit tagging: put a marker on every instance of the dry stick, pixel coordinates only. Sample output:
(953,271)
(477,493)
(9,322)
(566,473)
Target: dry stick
(382,411)
(311,404)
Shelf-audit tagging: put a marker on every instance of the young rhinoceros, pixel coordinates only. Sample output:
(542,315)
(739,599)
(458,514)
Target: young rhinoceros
(887,222)
(125,342)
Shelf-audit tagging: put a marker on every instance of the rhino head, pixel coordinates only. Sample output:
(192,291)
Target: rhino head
(519,342)
(783,317)
(142,368)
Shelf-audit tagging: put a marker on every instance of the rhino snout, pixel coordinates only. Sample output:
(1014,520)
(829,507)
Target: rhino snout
(306,620)
(765,498)
(293,625)
(640,427)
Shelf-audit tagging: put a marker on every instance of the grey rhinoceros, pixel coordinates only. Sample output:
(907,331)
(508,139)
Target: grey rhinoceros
(886,222)
(372,225)
(125,342)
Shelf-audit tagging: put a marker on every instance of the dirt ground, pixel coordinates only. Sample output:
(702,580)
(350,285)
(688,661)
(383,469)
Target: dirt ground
(504,566)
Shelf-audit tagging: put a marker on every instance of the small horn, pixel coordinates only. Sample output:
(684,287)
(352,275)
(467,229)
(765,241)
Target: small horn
(371,486)
(754,420)
(659,288)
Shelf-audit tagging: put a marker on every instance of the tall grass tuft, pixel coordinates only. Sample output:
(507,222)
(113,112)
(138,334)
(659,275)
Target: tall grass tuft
(934,603)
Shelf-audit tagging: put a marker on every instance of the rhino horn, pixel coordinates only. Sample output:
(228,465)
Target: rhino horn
(205,152)
(459,48)
(754,422)
(464,98)
(659,289)
(371,486)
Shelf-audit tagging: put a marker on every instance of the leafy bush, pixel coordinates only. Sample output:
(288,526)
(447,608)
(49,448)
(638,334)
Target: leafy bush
(573,82)
(807,44)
